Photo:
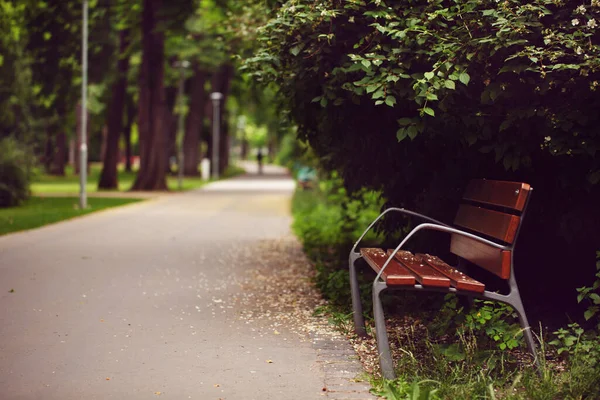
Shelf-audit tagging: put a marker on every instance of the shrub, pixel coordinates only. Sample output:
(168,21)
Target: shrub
(328,221)
(14,173)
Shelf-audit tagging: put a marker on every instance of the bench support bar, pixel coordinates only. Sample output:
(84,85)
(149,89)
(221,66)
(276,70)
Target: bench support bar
(357,310)
(383,344)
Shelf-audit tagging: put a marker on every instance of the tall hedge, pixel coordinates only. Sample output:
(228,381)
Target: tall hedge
(415,97)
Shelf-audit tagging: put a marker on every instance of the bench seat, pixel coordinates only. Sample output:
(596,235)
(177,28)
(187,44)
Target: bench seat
(407,269)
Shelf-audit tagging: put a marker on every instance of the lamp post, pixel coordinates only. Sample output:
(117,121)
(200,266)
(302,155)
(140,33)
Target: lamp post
(83,145)
(216,98)
(181,132)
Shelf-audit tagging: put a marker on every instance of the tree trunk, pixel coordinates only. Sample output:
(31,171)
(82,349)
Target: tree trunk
(221,82)
(109,175)
(244,146)
(171,120)
(194,123)
(48,151)
(72,160)
(151,114)
(60,155)
(131,112)
(271,149)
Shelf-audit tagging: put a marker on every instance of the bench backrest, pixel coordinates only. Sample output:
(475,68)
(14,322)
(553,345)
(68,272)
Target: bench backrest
(493,209)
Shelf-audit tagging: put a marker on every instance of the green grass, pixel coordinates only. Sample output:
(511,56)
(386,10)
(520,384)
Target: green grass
(39,211)
(48,184)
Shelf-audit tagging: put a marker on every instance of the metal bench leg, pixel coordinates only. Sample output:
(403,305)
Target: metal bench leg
(383,346)
(517,304)
(357,311)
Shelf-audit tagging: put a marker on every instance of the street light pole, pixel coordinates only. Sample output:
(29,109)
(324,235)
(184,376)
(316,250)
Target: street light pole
(83,145)
(216,98)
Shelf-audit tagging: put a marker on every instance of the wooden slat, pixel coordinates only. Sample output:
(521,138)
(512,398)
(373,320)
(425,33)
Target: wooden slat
(498,193)
(394,274)
(459,280)
(492,223)
(495,260)
(426,275)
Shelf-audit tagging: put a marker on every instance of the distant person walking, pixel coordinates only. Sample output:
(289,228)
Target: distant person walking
(259,158)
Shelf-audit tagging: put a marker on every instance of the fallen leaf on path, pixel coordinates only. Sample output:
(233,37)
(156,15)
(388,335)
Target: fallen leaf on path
(269,361)
(11,291)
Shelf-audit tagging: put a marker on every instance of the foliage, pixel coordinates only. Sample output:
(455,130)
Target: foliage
(582,354)
(402,390)
(327,221)
(15,173)
(591,294)
(525,60)
(491,321)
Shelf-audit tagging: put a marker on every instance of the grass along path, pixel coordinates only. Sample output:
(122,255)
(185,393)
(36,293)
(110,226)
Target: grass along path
(49,184)
(39,211)
(55,198)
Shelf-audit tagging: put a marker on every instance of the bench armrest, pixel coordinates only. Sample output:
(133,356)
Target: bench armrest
(441,228)
(400,210)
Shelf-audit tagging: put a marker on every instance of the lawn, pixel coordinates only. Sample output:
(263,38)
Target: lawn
(38,211)
(48,184)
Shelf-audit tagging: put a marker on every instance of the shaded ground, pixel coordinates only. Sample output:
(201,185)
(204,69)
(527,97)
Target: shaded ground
(198,295)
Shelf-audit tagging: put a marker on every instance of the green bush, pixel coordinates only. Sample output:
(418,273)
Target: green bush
(328,221)
(14,173)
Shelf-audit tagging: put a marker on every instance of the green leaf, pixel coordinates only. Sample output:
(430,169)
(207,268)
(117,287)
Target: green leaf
(429,111)
(390,101)
(295,50)
(432,96)
(412,132)
(372,88)
(378,94)
(401,134)
(464,78)
(450,84)
(1,60)
(589,314)
(366,63)
(428,75)
(379,102)
(405,121)
(323,102)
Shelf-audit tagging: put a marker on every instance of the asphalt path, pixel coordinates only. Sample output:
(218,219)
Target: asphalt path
(135,302)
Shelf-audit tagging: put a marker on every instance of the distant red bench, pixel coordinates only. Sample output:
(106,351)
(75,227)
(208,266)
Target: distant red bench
(487,226)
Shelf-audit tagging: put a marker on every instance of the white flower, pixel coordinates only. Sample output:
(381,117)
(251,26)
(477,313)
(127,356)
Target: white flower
(595,3)
(575,22)
(579,50)
(592,23)
(580,10)
(547,138)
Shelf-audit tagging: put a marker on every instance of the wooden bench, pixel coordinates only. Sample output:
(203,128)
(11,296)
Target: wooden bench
(486,228)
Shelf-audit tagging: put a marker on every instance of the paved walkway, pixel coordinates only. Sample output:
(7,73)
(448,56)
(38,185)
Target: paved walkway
(139,302)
